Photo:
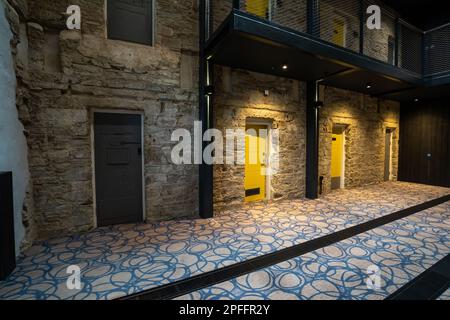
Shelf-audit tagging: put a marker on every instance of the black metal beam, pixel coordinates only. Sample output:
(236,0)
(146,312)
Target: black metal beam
(210,19)
(313,18)
(362,20)
(425,57)
(312,140)
(397,42)
(437,80)
(236,4)
(206,207)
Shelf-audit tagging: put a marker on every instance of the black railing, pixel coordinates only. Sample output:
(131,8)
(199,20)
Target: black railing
(343,23)
(437,51)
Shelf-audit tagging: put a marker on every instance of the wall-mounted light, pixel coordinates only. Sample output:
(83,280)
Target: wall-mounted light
(368,86)
(285,66)
(318,104)
(209,90)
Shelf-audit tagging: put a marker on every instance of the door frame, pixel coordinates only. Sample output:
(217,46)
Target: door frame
(266,123)
(344,155)
(113,111)
(391,152)
(340,18)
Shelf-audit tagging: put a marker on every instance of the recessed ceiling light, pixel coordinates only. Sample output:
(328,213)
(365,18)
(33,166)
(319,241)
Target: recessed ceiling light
(416,100)
(368,86)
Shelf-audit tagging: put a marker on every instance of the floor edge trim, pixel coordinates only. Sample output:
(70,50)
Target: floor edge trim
(429,285)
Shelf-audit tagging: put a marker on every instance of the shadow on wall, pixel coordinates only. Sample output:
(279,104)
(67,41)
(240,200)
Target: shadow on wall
(13,146)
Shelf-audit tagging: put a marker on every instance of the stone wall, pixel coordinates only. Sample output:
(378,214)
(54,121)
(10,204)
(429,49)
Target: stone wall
(72,73)
(366,120)
(220,11)
(240,97)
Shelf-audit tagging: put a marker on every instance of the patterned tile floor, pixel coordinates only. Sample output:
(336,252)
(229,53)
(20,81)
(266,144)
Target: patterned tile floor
(122,260)
(400,251)
(445,296)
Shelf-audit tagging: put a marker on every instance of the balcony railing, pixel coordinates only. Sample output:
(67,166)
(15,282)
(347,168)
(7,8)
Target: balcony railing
(437,51)
(343,23)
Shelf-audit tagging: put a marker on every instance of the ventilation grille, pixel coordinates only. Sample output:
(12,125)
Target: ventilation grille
(437,49)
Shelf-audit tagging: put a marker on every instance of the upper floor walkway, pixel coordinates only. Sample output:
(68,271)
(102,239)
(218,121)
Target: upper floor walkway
(330,40)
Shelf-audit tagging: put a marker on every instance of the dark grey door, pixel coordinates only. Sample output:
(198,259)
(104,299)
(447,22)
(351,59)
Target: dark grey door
(118,168)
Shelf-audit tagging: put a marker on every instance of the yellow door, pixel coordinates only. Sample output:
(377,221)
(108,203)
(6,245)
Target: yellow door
(258,7)
(337,158)
(339,32)
(255,163)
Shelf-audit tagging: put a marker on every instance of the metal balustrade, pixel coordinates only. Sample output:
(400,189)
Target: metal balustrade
(437,51)
(343,23)
(339,23)
(382,44)
(410,53)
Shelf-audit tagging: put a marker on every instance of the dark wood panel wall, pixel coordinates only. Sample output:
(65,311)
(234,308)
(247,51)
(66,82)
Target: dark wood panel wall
(424,143)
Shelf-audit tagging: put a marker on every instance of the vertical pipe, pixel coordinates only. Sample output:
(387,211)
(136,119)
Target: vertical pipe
(209,19)
(312,140)
(397,42)
(205,116)
(362,20)
(424,53)
(313,18)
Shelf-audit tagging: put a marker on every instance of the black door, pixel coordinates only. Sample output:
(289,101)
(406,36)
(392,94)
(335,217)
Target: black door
(118,168)
(425,144)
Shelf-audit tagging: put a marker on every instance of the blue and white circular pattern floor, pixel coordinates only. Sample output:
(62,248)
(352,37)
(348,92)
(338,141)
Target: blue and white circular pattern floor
(122,260)
(400,251)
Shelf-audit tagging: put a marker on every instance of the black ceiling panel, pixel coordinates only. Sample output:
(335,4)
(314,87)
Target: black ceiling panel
(361,80)
(243,51)
(420,93)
